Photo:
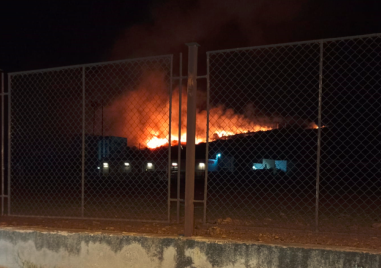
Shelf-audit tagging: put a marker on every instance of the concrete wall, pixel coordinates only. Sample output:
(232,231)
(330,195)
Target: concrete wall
(20,248)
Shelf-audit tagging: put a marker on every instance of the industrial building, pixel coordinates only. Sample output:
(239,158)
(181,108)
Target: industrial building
(115,158)
(240,156)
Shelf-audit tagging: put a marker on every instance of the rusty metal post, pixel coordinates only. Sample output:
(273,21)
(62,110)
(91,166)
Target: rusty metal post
(191,139)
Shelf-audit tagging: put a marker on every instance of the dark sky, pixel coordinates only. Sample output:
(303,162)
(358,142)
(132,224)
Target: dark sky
(43,34)
(40,34)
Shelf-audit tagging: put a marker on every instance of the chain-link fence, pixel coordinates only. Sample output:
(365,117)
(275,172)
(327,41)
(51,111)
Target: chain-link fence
(293,135)
(350,172)
(292,138)
(80,139)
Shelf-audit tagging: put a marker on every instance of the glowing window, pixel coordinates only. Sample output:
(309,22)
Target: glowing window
(257,166)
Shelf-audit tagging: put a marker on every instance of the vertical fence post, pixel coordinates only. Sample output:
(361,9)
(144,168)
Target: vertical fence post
(170,141)
(191,134)
(207,138)
(2,142)
(179,145)
(9,144)
(83,140)
(319,139)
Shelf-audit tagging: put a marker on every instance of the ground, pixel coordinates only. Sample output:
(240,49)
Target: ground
(221,230)
(246,212)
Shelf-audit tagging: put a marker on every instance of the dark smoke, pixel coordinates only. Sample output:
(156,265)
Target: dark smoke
(215,24)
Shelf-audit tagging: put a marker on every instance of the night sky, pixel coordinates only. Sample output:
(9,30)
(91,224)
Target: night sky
(43,34)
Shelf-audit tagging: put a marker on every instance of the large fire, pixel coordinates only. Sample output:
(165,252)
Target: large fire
(142,115)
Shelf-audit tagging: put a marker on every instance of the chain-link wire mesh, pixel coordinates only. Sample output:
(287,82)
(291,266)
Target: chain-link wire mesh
(86,140)
(127,111)
(46,110)
(263,135)
(350,197)
(93,141)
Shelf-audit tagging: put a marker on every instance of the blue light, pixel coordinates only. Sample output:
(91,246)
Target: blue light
(218,155)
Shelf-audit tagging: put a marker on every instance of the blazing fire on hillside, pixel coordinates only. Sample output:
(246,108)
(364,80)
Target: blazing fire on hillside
(142,116)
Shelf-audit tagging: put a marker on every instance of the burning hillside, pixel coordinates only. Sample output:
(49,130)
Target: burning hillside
(142,115)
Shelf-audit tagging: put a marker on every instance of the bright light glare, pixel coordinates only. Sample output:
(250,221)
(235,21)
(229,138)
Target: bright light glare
(218,155)
(202,165)
(98,168)
(174,164)
(254,167)
(149,165)
(105,164)
(127,164)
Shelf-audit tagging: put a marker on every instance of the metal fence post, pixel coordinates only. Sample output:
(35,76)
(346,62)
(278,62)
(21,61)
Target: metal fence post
(2,142)
(319,139)
(170,140)
(179,145)
(9,145)
(191,134)
(83,140)
(207,139)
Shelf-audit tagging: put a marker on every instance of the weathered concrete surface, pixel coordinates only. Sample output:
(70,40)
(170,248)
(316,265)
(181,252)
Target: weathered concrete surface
(25,248)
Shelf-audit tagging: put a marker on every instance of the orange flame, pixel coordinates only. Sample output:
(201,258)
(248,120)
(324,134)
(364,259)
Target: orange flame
(313,125)
(142,115)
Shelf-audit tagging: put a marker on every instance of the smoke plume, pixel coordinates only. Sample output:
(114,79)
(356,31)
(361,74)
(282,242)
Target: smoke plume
(142,115)
(215,24)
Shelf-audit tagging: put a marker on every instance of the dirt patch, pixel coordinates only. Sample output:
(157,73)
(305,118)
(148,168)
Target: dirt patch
(221,230)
